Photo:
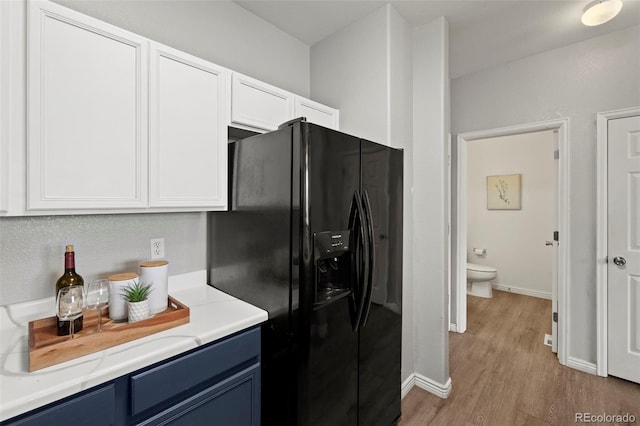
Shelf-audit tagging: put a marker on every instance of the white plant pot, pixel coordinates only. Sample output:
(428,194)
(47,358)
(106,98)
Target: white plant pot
(138,310)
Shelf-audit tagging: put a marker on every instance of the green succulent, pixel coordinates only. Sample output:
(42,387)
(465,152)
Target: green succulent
(136,292)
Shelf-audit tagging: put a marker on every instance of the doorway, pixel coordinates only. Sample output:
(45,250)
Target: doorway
(618,258)
(561,246)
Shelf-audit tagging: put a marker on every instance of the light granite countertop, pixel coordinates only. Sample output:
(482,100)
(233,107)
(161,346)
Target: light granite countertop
(213,315)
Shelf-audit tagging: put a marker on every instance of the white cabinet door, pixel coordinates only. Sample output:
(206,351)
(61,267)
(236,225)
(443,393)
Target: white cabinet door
(317,113)
(4,104)
(87,143)
(258,105)
(188,131)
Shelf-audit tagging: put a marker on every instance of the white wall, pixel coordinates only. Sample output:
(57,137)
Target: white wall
(218,31)
(349,71)
(430,135)
(400,84)
(575,81)
(514,239)
(365,70)
(32,248)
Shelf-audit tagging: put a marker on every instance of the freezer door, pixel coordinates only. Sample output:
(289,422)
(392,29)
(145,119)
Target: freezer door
(330,165)
(380,337)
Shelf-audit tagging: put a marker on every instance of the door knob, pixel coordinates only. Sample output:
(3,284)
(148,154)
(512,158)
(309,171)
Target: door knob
(548,243)
(619,261)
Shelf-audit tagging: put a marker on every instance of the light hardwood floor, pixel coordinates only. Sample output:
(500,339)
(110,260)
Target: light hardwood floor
(503,374)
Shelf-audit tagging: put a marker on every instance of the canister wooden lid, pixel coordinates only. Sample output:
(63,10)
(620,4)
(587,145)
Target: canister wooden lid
(154,263)
(124,276)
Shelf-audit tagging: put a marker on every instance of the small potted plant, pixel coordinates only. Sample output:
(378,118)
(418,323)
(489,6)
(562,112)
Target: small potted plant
(137,297)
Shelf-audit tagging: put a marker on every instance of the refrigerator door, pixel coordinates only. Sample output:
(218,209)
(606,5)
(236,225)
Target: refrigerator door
(380,337)
(330,164)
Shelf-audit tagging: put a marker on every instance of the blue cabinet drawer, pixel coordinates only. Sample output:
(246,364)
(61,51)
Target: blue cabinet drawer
(234,401)
(169,380)
(94,408)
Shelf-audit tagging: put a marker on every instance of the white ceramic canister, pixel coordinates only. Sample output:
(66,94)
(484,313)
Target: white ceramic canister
(155,273)
(117,305)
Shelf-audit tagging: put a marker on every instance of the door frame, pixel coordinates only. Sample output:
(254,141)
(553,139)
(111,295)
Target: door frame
(602,286)
(562,127)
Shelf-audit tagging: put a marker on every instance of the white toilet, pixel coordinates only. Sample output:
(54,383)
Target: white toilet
(479,280)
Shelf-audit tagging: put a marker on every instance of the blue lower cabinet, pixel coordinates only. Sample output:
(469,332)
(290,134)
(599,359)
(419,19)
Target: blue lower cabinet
(218,383)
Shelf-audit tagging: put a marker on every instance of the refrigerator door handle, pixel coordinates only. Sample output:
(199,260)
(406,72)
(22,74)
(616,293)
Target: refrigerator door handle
(358,226)
(354,220)
(370,263)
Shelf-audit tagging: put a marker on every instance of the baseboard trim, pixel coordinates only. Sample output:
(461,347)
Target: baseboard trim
(523,291)
(431,386)
(407,385)
(582,365)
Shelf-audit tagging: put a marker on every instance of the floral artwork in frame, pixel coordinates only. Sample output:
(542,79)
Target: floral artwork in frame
(503,192)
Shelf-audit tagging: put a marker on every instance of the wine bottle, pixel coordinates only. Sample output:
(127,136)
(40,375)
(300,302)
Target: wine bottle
(70,277)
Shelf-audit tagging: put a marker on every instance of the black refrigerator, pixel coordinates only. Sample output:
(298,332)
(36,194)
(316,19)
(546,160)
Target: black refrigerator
(313,236)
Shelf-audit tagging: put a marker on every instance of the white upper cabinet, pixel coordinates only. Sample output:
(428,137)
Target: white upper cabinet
(258,105)
(87,112)
(95,119)
(187,131)
(317,113)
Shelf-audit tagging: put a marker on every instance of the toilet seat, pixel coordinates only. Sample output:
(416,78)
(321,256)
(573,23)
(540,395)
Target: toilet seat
(480,268)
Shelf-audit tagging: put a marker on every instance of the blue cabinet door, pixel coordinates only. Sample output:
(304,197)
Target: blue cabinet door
(187,374)
(234,401)
(93,408)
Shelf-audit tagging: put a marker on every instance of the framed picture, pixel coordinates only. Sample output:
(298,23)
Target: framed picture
(503,192)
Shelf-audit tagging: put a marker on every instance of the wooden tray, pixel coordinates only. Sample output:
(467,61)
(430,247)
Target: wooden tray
(46,348)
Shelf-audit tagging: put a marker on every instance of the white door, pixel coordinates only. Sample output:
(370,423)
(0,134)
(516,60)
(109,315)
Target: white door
(87,143)
(187,131)
(258,105)
(316,113)
(4,94)
(623,249)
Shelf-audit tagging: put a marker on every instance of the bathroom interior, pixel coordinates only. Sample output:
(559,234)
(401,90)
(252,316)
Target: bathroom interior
(510,214)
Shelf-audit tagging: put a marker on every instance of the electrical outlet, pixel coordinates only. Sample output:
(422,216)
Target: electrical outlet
(157,248)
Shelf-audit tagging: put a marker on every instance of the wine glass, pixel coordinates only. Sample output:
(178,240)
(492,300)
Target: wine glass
(98,298)
(70,304)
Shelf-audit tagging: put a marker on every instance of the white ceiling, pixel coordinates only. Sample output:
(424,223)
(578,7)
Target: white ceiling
(483,33)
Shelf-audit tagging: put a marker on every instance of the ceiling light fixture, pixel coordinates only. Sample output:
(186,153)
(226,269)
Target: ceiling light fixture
(600,11)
